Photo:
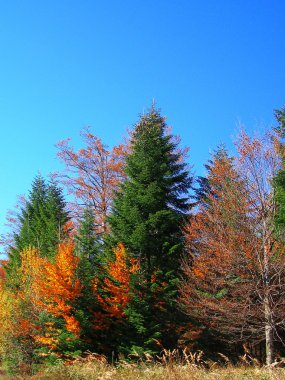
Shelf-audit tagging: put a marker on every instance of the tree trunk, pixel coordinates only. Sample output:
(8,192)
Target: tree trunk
(268,332)
(267,306)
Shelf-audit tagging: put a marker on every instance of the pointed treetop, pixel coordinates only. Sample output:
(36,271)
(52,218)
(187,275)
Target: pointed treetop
(280,116)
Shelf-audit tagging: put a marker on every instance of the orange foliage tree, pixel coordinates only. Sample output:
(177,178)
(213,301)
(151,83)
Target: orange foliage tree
(92,174)
(114,292)
(235,269)
(18,311)
(57,288)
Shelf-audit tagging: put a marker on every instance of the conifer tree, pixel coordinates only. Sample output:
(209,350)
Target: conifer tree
(147,216)
(88,250)
(279,179)
(54,217)
(87,240)
(42,221)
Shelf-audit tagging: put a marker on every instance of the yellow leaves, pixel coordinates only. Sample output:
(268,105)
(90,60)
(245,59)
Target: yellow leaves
(8,304)
(48,338)
(47,286)
(30,269)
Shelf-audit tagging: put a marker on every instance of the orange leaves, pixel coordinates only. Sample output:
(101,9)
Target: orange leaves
(93,174)
(2,270)
(117,284)
(235,259)
(58,288)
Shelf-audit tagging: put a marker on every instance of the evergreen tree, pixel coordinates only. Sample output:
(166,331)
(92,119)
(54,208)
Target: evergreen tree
(204,189)
(54,217)
(87,240)
(32,223)
(279,179)
(88,249)
(148,213)
(42,223)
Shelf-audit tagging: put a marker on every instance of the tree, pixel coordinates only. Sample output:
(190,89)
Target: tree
(57,290)
(88,243)
(234,274)
(116,284)
(147,214)
(19,313)
(55,220)
(279,179)
(42,222)
(92,174)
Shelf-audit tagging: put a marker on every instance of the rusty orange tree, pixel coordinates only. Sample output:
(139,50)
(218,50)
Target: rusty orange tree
(56,291)
(92,174)
(235,269)
(116,285)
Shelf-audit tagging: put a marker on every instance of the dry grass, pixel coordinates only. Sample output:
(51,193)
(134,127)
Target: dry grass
(168,367)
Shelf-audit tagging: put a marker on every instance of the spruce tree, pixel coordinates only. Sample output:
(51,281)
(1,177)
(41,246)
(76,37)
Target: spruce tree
(148,214)
(88,249)
(204,189)
(54,217)
(87,240)
(279,179)
(42,222)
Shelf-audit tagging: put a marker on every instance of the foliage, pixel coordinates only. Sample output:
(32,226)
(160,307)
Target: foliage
(105,276)
(42,224)
(147,214)
(57,289)
(234,275)
(92,174)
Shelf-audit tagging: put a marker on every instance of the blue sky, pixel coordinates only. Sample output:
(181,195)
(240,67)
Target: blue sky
(68,64)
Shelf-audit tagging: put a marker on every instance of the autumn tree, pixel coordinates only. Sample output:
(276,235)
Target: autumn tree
(115,288)
(234,274)
(92,174)
(112,292)
(147,214)
(19,313)
(58,289)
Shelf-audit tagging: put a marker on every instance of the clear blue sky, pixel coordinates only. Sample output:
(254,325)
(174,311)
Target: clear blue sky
(68,64)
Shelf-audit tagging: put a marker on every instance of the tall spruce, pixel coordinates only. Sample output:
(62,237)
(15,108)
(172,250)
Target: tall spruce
(42,222)
(88,249)
(148,214)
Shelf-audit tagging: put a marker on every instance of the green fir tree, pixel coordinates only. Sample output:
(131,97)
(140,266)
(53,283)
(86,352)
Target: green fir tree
(148,214)
(279,179)
(42,223)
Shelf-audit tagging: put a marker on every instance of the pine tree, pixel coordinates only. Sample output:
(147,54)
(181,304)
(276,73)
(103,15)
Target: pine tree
(147,216)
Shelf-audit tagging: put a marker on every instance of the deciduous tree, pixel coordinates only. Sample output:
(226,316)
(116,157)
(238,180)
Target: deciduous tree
(234,274)
(92,174)
(58,288)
